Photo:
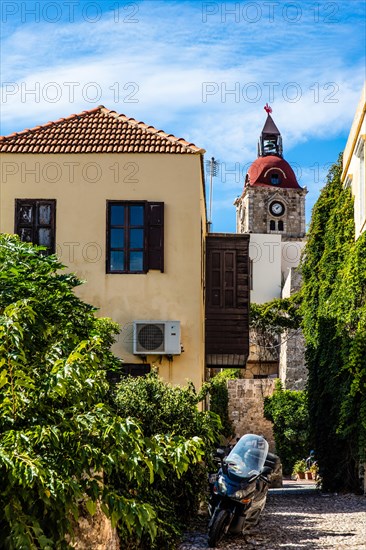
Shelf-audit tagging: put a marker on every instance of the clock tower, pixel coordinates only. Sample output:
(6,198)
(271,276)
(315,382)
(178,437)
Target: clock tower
(272,201)
(272,209)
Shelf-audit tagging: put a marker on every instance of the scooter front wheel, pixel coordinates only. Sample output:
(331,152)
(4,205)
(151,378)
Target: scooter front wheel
(217,529)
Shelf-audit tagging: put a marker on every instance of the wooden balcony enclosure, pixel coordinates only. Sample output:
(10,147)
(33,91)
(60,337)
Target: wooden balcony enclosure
(227,300)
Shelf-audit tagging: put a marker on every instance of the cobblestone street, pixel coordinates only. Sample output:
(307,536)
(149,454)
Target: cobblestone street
(297,517)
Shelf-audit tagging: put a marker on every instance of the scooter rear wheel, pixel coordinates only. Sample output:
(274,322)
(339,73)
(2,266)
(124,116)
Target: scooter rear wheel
(217,529)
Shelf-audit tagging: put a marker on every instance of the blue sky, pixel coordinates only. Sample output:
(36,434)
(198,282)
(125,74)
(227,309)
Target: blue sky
(199,70)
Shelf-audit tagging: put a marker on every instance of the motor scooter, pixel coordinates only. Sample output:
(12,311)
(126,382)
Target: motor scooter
(238,491)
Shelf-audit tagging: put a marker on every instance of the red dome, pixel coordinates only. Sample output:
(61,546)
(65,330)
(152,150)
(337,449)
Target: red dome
(272,171)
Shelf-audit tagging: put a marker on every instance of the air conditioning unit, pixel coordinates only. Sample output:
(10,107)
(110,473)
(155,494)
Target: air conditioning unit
(156,338)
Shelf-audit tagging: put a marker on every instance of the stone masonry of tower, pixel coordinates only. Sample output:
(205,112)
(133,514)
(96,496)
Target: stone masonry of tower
(255,215)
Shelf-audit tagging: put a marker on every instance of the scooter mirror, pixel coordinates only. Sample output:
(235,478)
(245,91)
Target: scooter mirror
(220,454)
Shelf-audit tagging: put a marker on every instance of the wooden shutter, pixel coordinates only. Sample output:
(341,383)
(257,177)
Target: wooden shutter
(215,298)
(221,291)
(229,278)
(155,235)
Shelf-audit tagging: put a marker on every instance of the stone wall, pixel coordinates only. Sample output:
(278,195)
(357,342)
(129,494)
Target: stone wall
(292,367)
(246,397)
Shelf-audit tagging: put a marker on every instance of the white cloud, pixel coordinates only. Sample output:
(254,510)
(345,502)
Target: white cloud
(164,60)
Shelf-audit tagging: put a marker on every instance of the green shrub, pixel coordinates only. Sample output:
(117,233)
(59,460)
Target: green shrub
(161,410)
(289,413)
(58,432)
(217,390)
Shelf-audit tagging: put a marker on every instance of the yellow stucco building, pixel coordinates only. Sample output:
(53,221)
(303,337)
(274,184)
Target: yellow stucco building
(354,173)
(123,206)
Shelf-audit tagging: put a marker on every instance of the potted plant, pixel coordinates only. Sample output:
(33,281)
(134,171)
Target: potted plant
(314,469)
(299,469)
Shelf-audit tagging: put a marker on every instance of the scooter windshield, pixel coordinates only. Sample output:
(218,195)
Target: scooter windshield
(248,456)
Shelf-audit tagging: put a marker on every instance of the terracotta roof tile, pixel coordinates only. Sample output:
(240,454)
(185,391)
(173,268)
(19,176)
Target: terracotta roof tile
(98,130)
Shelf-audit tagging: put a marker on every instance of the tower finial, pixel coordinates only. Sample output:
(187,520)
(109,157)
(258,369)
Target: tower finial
(267,108)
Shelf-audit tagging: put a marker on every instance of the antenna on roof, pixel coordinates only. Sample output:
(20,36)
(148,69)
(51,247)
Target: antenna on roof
(212,167)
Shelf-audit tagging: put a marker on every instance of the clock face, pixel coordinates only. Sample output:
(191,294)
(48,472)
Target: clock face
(277,208)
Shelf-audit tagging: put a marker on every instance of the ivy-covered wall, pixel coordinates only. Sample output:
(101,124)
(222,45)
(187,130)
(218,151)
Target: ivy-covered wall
(334,325)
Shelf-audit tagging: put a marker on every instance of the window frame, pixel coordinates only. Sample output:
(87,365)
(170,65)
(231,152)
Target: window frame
(127,228)
(153,236)
(35,203)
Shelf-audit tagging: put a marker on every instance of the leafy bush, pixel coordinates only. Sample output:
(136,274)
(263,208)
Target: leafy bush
(217,390)
(278,315)
(289,413)
(161,410)
(61,444)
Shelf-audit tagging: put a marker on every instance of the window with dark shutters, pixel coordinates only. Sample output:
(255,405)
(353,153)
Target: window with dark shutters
(135,236)
(35,222)
(128,369)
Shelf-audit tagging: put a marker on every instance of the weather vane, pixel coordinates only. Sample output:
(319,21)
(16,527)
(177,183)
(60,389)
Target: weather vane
(267,108)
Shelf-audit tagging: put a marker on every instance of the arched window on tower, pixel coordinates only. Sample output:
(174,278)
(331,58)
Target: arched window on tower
(272,225)
(275,178)
(280,225)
